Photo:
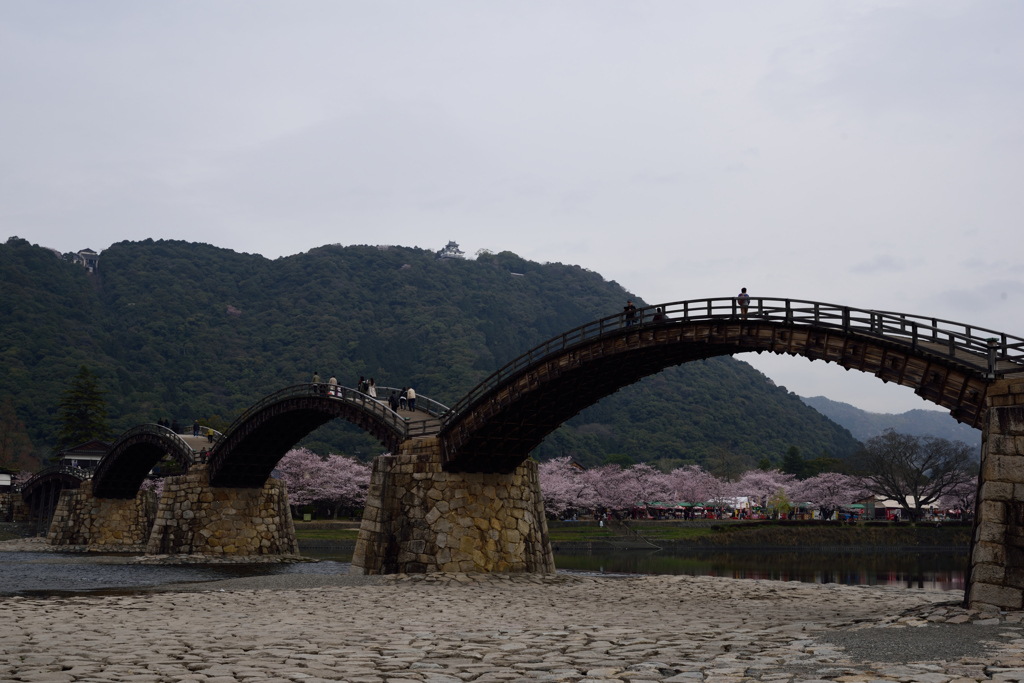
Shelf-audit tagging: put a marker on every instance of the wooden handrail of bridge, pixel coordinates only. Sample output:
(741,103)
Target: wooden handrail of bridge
(78,472)
(376,406)
(1000,353)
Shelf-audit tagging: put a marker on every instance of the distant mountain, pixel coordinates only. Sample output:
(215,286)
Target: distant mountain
(864,425)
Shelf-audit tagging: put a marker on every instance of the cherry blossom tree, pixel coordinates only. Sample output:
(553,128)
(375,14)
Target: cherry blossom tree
(154,485)
(828,491)
(760,485)
(694,484)
(335,481)
(564,486)
(301,470)
(344,482)
(610,485)
(645,484)
(961,497)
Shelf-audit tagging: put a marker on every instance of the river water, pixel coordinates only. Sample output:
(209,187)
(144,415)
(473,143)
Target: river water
(931,571)
(53,573)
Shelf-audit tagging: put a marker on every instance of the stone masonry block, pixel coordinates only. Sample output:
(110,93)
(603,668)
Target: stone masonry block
(1009,468)
(989,574)
(1000,444)
(1008,421)
(992,511)
(997,490)
(1000,596)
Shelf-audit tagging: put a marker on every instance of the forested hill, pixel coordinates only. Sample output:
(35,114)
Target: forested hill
(183,330)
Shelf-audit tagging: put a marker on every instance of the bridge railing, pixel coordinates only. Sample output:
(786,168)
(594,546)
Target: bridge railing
(944,337)
(424,403)
(372,405)
(78,472)
(185,451)
(186,430)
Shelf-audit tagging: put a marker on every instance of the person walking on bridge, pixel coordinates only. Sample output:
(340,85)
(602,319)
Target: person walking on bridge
(195,428)
(411,395)
(316,377)
(743,300)
(403,400)
(630,311)
(333,385)
(371,388)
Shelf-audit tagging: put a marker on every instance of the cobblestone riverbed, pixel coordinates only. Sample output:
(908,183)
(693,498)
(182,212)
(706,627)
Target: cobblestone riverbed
(453,628)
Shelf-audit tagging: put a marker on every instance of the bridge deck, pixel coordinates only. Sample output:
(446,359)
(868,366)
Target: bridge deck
(430,424)
(979,362)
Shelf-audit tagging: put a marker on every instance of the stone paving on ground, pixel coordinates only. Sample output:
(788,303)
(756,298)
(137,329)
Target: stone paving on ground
(483,628)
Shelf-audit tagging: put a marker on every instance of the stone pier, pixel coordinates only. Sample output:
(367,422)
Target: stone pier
(419,518)
(197,519)
(997,547)
(112,524)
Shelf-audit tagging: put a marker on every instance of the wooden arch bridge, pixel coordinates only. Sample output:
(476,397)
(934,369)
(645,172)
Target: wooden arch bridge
(496,425)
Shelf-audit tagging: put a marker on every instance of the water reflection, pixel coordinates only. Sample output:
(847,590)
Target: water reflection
(930,571)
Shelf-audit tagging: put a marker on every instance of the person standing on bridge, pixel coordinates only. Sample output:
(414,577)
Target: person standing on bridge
(333,385)
(743,300)
(403,401)
(411,395)
(630,311)
(393,401)
(316,377)
(195,428)
(371,388)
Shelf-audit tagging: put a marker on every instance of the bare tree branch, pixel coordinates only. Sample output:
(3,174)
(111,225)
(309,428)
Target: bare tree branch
(914,471)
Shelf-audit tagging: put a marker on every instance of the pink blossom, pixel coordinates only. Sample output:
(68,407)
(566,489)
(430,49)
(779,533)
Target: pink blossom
(960,497)
(693,484)
(336,481)
(564,486)
(154,485)
(300,470)
(828,491)
(759,485)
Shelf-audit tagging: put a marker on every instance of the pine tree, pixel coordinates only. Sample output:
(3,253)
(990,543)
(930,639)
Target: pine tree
(794,463)
(83,411)
(15,447)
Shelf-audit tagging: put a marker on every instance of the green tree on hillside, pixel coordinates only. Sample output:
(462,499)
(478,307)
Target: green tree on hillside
(620,459)
(83,411)
(794,463)
(15,446)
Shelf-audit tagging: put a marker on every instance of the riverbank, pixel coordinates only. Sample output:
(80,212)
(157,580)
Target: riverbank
(709,534)
(489,628)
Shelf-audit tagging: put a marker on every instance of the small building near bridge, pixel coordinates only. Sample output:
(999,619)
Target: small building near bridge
(85,456)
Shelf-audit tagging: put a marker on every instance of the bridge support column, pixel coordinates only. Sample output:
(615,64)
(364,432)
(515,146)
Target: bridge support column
(997,547)
(197,519)
(112,524)
(420,519)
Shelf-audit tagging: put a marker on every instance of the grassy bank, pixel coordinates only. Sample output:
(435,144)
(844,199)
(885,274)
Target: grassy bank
(327,530)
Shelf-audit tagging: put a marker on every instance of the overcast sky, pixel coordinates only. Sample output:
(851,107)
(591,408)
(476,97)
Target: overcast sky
(862,153)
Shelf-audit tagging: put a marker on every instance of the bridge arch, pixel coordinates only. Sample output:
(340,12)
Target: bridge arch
(137,451)
(41,492)
(496,425)
(263,434)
